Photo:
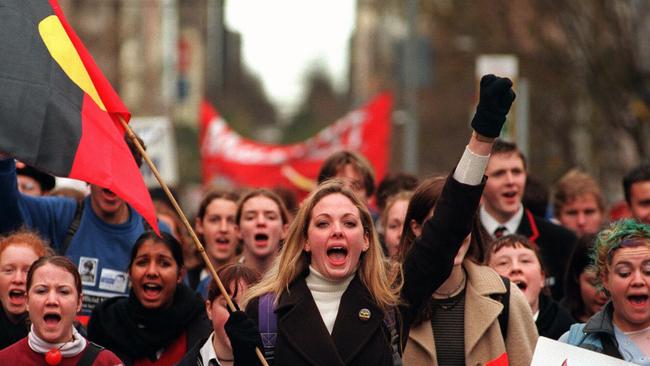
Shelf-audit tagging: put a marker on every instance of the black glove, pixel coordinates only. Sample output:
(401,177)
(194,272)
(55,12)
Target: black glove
(496,97)
(244,337)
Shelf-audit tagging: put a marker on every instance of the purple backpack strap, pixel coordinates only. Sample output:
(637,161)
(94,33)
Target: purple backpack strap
(268,324)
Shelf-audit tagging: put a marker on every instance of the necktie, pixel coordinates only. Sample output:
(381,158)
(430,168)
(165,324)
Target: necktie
(500,231)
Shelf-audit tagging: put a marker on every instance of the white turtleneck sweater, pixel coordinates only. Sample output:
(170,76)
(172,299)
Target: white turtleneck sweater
(327,295)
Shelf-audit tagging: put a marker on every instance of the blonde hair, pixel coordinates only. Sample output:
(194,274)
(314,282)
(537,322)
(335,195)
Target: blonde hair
(390,202)
(373,269)
(576,183)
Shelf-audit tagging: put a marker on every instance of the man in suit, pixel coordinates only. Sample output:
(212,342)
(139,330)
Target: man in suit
(503,213)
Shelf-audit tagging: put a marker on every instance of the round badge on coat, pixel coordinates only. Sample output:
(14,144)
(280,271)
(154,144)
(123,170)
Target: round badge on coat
(364,315)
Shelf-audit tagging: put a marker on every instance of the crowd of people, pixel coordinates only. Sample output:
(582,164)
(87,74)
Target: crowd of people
(448,270)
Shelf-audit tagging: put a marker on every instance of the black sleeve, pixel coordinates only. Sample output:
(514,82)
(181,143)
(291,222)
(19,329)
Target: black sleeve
(430,260)
(243,347)
(252,309)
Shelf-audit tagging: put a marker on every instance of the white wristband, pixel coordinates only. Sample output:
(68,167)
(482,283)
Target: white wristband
(471,167)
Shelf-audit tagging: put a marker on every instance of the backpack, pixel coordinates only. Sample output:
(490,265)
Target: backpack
(268,327)
(90,354)
(74,226)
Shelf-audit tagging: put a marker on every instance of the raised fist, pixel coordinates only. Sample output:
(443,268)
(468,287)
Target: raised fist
(496,97)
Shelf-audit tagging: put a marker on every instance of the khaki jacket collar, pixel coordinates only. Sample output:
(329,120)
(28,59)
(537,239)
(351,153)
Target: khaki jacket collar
(481,311)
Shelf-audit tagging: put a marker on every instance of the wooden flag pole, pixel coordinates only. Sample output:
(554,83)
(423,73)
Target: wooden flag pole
(189,228)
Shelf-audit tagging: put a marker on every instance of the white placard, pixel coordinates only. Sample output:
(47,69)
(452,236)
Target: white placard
(158,134)
(549,352)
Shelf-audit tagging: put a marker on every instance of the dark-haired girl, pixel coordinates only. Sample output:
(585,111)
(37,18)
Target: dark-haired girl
(161,318)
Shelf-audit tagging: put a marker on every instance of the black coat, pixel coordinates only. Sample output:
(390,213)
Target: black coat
(302,336)
(553,319)
(304,340)
(191,358)
(133,332)
(11,332)
(555,244)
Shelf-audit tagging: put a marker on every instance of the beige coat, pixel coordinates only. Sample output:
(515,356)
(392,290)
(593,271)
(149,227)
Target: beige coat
(483,340)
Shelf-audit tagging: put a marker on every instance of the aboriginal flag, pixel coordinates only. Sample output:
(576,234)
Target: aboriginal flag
(57,110)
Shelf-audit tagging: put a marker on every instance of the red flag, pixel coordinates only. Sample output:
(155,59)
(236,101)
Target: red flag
(58,112)
(229,158)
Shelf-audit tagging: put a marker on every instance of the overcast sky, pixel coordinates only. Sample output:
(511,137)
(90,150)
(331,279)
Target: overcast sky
(282,39)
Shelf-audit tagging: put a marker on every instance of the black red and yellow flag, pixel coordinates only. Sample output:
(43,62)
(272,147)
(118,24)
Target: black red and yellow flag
(58,112)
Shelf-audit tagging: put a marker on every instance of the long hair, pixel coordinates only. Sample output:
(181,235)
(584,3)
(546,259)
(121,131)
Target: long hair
(373,268)
(424,200)
(224,194)
(262,192)
(580,262)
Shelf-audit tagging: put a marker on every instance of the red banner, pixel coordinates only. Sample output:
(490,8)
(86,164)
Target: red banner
(230,159)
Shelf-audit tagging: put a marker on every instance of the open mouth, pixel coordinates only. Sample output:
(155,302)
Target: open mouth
(510,194)
(151,289)
(337,254)
(261,239)
(639,300)
(17,295)
(52,319)
(521,284)
(223,241)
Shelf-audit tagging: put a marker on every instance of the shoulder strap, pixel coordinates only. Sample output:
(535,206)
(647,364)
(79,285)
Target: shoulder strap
(90,354)
(72,229)
(390,322)
(268,324)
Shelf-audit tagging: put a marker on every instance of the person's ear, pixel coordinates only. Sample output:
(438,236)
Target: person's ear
(307,247)
(199,225)
(208,308)
(181,274)
(366,242)
(415,228)
(81,300)
(285,229)
(603,280)
(238,232)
